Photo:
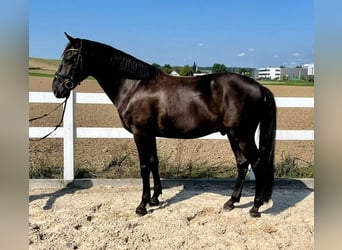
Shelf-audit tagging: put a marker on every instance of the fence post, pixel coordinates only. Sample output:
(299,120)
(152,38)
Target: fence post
(69,138)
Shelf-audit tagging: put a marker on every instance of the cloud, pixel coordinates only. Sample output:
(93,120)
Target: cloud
(241,54)
(296,54)
(275,56)
(251,49)
(200,44)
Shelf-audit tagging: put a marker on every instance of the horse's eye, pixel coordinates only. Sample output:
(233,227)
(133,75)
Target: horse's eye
(70,56)
(72,52)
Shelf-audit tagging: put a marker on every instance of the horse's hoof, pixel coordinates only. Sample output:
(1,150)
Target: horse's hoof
(254,212)
(141,211)
(229,205)
(154,202)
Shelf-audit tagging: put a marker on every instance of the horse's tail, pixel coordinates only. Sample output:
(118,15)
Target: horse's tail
(268,125)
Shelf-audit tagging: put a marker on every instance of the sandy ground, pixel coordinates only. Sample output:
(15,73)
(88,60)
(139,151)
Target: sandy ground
(190,217)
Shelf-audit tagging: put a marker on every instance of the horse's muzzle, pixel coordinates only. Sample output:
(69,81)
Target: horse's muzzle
(59,90)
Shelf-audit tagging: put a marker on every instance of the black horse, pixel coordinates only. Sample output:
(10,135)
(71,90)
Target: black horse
(151,103)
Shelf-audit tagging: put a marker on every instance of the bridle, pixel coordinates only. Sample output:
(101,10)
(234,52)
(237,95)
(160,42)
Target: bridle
(70,81)
(45,115)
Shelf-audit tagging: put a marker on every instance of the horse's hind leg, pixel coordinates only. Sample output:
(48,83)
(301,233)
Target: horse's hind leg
(259,189)
(242,166)
(250,150)
(244,148)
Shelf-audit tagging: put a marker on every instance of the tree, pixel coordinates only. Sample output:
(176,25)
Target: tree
(242,71)
(186,71)
(167,68)
(156,65)
(217,68)
(245,72)
(195,68)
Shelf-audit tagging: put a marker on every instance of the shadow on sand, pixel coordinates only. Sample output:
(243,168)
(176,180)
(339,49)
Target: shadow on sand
(287,192)
(70,188)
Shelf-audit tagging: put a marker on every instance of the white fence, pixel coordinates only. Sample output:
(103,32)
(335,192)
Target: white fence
(69,132)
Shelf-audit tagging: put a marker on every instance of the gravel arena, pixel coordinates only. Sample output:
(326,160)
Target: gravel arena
(100,213)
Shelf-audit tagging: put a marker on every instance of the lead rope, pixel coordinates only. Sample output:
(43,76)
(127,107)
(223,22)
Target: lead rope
(45,115)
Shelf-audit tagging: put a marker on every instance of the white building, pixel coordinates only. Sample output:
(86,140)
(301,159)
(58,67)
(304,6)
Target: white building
(269,73)
(199,74)
(311,68)
(174,73)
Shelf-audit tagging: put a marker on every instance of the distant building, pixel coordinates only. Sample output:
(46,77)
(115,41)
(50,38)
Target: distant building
(174,73)
(294,73)
(311,68)
(269,73)
(254,73)
(200,74)
(306,72)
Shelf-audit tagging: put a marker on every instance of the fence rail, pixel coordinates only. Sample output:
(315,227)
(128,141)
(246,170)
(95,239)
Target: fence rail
(69,132)
(101,98)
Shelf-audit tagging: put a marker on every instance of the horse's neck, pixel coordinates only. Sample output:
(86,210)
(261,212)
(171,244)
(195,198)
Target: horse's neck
(118,90)
(106,72)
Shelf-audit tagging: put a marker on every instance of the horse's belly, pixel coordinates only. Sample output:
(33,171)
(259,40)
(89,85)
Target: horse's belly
(186,127)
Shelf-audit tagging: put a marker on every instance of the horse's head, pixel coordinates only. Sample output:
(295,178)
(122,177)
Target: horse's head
(71,70)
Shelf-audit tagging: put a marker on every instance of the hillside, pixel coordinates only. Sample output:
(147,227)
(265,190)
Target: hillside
(39,66)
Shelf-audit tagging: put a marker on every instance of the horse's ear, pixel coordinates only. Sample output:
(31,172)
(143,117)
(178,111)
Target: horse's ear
(70,38)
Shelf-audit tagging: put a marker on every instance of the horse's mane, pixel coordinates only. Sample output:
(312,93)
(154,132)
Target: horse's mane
(122,63)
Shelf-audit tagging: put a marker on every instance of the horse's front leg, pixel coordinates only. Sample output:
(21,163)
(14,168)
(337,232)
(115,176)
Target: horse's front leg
(146,193)
(156,182)
(147,150)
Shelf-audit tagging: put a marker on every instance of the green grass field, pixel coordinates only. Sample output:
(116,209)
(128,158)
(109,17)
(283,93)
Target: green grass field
(41,74)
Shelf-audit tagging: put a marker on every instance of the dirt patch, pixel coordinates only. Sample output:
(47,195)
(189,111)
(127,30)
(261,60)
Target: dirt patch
(189,217)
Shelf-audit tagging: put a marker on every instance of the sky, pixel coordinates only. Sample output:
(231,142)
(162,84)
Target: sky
(248,33)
